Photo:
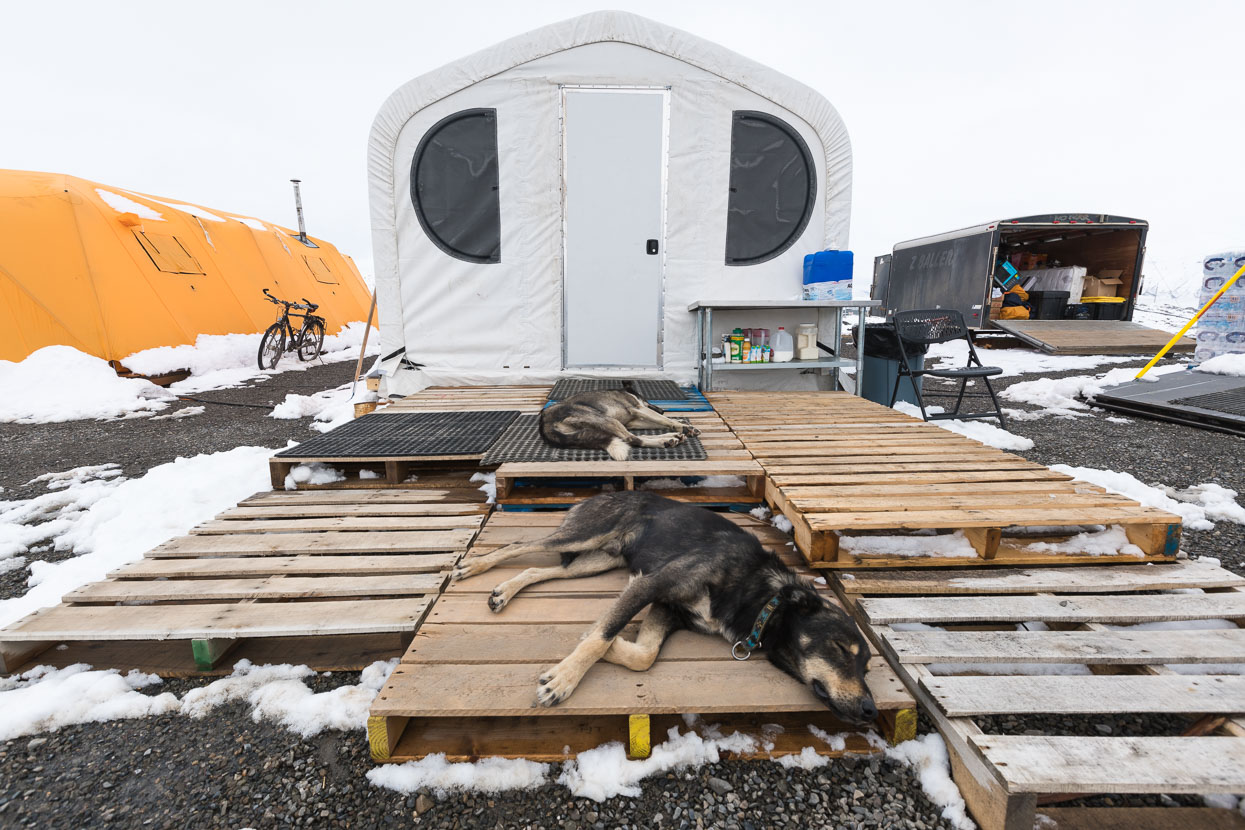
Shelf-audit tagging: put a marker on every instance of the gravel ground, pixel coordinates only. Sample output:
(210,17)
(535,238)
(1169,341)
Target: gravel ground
(228,771)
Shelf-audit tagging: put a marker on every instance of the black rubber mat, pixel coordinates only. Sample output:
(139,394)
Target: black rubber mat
(407,434)
(650,390)
(1229,401)
(522,442)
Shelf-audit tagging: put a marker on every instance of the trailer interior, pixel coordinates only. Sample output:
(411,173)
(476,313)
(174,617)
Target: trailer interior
(1096,248)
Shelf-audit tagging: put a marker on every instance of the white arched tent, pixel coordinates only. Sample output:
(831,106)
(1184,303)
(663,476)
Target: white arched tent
(551,205)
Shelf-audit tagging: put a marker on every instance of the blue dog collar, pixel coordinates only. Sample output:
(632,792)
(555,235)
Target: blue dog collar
(753,641)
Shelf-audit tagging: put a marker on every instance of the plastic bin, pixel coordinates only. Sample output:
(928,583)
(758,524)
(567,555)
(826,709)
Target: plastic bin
(1048,305)
(882,364)
(1105,308)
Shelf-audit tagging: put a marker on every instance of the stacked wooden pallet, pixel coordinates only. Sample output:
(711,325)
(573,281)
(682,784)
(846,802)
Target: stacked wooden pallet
(840,467)
(397,471)
(969,618)
(569,481)
(334,579)
(467,685)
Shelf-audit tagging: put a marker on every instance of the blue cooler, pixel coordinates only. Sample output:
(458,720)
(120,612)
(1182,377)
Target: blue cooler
(828,275)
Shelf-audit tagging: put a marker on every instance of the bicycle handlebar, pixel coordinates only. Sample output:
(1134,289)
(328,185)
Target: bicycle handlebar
(306,304)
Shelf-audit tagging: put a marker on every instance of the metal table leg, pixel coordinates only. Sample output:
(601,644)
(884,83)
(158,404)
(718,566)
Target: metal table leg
(860,353)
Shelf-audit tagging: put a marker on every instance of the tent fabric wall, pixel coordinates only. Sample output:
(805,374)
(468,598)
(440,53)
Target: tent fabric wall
(81,265)
(471,323)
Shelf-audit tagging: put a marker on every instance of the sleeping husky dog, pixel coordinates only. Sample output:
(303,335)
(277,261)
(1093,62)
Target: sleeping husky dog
(599,421)
(696,570)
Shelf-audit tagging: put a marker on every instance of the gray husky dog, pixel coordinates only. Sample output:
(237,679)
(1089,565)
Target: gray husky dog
(697,570)
(600,421)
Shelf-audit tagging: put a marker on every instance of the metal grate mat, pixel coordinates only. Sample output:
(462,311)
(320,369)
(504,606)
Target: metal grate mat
(407,435)
(522,442)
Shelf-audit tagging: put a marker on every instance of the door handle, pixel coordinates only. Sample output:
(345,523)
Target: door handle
(651,246)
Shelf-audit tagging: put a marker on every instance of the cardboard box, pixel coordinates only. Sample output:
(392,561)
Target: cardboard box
(1106,284)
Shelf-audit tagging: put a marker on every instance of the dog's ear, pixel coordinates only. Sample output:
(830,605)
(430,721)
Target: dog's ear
(799,596)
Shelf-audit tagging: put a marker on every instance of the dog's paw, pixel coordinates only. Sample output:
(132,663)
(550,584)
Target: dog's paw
(497,600)
(674,440)
(466,570)
(688,429)
(554,687)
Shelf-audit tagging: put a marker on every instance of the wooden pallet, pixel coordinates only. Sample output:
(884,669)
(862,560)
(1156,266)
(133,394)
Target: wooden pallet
(467,684)
(1005,779)
(840,468)
(563,482)
(324,573)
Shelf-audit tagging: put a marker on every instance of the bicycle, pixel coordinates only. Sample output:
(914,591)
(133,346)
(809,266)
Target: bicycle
(281,337)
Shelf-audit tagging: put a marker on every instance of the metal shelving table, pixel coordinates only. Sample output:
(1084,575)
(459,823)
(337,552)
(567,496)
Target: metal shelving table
(829,313)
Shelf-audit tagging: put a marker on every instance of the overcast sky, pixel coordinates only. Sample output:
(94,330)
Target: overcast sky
(958,112)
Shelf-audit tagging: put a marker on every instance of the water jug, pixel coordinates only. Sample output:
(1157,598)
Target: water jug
(806,348)
(784,346)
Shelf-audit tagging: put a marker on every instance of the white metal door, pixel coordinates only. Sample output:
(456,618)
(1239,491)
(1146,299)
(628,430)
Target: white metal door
(613,224)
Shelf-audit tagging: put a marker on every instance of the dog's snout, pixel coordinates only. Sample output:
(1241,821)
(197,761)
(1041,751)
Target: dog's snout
(868,710)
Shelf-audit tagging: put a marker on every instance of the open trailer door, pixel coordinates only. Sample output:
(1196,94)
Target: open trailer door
(952,270)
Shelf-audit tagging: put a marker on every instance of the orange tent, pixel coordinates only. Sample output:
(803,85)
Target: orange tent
(111,272)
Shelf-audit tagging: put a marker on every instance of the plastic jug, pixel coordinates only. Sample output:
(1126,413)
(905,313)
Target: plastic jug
(784,346)
(806,348)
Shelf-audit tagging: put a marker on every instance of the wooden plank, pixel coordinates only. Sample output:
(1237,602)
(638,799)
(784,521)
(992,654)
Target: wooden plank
(1143,818)
(1090,647)
(364,497)
(811,494)
(1044,764)
(261,544)
(273,587)
(811,477)
(1109,609)
(1185,574)
(675,687)
(545,643)
(999,517)
(215,621)
(324,565)
(1093,694)
(952,503)
(342,523)
(316,511)
(660,469)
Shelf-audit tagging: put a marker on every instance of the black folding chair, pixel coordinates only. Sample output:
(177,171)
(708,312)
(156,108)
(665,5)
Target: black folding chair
(921,328)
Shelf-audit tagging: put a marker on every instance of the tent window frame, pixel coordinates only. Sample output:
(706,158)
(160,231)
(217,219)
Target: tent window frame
(167,259)
(322,273)
(490,257)
(810,200)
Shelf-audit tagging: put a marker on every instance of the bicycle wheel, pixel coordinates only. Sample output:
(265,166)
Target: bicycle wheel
(271,347)
(311,340)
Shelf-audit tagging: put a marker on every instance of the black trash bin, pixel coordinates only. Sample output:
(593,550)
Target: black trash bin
(882,358)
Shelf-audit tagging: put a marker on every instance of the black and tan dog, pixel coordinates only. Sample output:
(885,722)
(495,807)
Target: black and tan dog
(697,570)
(600,421)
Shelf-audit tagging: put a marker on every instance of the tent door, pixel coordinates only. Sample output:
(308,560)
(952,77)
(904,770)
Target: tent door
(614,166)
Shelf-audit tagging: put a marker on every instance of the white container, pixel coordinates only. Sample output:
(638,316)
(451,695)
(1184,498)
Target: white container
(806,347)
(783,348)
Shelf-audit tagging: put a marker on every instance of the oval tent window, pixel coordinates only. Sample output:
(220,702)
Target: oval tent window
(454,185)
(773,185)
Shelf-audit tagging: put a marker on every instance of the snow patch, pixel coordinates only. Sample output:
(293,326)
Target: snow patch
(253,224)
(277,693)
(488,487)
(1015,362)
(184,412)
(1112,541)
(111,522)
(316,472)
(193,210)
(44,699)
(927,755)
(490,775)
(782,523)
(59,383)
(1062,396)
(987,434)
(941,545)
(121,204)
(705,481)
(330,408)
(1196,505)
(1225,364)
